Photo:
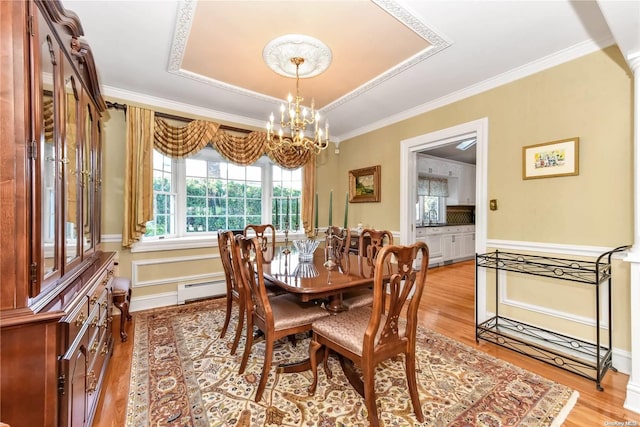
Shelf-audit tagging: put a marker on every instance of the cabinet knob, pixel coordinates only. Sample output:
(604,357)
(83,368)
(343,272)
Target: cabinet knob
(80,320)
(92,382)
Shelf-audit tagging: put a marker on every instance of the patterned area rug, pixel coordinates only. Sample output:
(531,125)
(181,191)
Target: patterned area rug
(183,375)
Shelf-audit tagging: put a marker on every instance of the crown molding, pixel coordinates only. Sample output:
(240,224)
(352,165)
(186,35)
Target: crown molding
(545,63)
(140,98)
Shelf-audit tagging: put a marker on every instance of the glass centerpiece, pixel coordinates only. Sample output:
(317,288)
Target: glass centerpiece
(306,248)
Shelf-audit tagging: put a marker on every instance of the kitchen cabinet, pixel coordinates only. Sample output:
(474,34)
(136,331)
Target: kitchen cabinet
(448,243)
(467,185)
(461,178)
(468,246)
(55,303)
(451,248)
(440,167)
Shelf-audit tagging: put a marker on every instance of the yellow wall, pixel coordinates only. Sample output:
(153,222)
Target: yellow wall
(590,97)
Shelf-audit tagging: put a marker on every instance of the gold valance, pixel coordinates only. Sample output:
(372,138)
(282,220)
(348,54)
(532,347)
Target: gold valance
(181,141)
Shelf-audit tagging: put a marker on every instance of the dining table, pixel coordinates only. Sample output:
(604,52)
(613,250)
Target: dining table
(322,278)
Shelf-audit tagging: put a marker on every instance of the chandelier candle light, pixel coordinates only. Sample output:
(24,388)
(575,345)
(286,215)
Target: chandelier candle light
(297,50)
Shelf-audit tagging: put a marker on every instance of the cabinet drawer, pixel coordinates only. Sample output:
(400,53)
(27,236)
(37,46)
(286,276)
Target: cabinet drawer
(100,285)
(73,323)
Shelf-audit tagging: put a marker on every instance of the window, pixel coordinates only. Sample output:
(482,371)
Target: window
(164,197)
(429,210)
(432,200)
(204,193)
(287,193)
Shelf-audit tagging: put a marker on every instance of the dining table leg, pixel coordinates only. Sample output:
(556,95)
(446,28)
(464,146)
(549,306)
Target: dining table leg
(302,365)
(351,374)
(335,305)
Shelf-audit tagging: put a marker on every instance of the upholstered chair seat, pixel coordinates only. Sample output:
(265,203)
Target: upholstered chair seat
(357,298)
(289,312)
(347,329)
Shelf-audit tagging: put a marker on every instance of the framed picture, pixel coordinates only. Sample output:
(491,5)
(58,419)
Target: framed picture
(364,185)
(555,158)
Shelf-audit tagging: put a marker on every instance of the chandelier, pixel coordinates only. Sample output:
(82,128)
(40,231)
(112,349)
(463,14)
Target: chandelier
(294,117)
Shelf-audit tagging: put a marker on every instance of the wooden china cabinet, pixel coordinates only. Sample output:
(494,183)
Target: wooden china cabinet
(55,302)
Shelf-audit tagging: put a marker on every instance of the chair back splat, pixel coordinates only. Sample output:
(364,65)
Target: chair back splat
(266,235)
(370,335)
(370,244)
(338,239)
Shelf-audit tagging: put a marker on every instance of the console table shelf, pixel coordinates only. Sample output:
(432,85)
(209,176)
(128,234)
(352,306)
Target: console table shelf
(590,360)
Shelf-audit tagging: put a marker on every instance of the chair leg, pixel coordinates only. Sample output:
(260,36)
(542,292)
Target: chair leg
(293,340)
(247,346)
(124,309)
(266,367)
(128,315)
(370,394)
(413,385)
(314,346)
(227,317)
(325,364)
(236,340)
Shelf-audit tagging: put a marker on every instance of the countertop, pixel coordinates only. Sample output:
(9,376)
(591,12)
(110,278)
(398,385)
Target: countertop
(442,225)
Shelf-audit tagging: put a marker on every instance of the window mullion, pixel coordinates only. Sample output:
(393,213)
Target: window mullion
(267,192)
(181,197)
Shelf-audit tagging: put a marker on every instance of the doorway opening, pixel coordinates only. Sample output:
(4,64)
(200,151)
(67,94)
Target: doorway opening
(478,129)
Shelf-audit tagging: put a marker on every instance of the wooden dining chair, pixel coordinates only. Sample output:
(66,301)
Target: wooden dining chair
(370,244)
(235,292)
(338,241)
(266,234)
(369,335)
(277,317)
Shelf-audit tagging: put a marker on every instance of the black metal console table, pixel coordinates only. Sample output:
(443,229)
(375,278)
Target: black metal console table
(590,360)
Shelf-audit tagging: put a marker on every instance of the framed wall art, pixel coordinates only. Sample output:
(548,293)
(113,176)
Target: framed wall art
(551,159)
(364,185)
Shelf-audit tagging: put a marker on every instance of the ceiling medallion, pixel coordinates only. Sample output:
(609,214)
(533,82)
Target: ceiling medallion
(297,55)
(278,52)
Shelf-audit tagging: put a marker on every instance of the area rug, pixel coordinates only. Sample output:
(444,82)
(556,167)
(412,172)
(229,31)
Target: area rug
(183,375)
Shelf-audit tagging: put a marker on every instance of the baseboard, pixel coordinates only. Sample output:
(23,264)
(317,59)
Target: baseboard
(148,302)
(632,401)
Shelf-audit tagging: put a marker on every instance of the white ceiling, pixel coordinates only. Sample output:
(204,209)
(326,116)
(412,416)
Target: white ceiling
(140,47)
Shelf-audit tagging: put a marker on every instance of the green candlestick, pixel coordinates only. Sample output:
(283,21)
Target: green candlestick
(315,226)
(346,208)
(330,208)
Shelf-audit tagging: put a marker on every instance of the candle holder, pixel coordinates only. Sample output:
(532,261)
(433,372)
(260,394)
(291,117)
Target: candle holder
(329,263)
(286,249)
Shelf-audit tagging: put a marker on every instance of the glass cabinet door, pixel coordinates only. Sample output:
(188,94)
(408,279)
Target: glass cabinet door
(47,162)
(88,180)
(72,191)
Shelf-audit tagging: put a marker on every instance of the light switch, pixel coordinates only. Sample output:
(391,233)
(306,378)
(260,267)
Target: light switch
(493,204)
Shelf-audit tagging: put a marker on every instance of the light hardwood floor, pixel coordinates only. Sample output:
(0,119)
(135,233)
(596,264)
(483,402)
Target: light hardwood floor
(447,306)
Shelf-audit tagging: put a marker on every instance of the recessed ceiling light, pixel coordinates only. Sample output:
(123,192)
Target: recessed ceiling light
(465,144)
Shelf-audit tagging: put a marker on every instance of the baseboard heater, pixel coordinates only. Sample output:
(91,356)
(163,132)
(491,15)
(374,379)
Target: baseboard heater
(196,291)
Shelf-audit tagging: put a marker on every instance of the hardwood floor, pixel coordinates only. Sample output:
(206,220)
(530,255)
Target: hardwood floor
(447,306)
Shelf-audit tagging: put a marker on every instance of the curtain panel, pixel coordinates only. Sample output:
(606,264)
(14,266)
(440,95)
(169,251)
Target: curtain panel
(432,186)
(138,184)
